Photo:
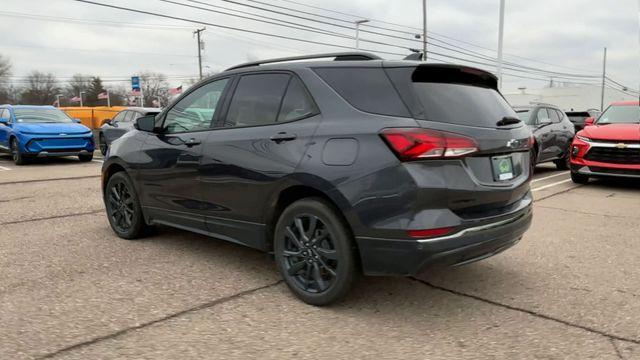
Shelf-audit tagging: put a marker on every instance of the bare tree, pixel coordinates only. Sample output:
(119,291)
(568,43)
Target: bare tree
(78,83)
(41,89)
(6,89)
(155,88)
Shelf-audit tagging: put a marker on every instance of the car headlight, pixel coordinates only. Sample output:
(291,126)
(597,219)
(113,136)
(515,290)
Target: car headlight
(583,138)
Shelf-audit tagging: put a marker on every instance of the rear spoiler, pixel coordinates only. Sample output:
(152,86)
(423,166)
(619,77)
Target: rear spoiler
(454,74)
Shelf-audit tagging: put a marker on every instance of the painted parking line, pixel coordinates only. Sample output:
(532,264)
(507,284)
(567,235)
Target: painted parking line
(2,168)
(551,185)
(98,161)
(549,177)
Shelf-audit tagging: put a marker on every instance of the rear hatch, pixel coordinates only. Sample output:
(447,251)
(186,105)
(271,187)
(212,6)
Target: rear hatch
(465,101)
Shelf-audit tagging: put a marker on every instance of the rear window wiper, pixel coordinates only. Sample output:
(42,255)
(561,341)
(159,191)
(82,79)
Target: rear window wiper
(508,120)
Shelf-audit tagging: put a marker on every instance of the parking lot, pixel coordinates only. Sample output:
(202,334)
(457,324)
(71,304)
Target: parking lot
(72,290)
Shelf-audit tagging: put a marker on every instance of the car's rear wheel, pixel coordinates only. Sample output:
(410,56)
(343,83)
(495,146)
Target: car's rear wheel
(123,208)
(16,155)
(103,144)
(314,252)
(579,178)
(565,162)
(85,157)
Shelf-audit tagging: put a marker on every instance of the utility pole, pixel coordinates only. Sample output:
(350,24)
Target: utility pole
(500,43)
(604,76)
(358,23)
(197,33)
(424,30)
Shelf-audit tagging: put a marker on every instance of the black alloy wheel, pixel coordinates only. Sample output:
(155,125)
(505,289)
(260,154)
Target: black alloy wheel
(123,209)
(314,252)
(16,155)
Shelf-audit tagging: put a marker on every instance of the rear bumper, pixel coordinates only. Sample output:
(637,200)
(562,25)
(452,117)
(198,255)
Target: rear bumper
(474,242)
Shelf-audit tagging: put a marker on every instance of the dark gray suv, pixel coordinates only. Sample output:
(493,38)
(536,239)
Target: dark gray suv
(336,167)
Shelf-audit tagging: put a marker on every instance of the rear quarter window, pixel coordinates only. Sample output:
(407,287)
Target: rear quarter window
(366,89)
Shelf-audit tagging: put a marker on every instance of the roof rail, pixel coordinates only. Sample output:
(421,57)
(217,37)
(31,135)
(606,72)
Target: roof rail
(338,56)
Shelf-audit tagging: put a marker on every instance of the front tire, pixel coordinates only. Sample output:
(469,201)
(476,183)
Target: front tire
(16,155)
(123,208)
(103,145)
(85,157)
(565,162)
(579,178)
(314,252)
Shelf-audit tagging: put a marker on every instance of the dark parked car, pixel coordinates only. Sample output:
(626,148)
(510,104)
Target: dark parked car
(336,167)
(578,117)
(553,133)
(120,124)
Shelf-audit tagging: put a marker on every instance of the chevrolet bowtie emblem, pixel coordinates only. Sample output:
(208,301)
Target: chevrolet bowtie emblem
(621,146)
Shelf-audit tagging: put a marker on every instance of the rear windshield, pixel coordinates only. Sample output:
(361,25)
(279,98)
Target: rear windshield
(451,95)
(525,116)
(41,116)
(620,115)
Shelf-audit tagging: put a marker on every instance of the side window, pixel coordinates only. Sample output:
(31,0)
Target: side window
(366,89)
(130,116)
(195,112)
(257,100)
(553,114)
(543,116)
(297,102)
(561,115)
(119,116)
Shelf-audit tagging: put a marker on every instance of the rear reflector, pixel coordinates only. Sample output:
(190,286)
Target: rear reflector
(429,233)
(418,143)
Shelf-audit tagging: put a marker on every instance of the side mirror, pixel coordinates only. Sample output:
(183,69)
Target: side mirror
(589,121)
(146,123)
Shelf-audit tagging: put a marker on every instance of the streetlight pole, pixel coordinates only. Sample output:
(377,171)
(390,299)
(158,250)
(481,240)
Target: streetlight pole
(81,103)
(197,33)
(58,99)
(358,23)
(500,44)
(424,30)
(604,76)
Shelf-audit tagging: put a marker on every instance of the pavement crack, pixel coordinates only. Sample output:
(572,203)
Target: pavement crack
(46,180)
(124,331)
(615,347)
(558,193)
(529,312)
(52,217)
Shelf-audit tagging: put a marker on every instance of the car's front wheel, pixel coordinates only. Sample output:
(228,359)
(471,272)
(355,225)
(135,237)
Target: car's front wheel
(314,252)
(565,162)
(123,208)
(85,157)
(579,178)
(16,155)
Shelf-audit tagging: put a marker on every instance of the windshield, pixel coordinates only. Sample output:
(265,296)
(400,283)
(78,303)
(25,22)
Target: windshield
(524,116)
(41,116)
(620,115)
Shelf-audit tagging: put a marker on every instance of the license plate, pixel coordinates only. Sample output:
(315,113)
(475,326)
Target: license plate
(502,168)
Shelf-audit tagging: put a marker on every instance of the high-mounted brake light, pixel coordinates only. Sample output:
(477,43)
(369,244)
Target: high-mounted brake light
(418,143)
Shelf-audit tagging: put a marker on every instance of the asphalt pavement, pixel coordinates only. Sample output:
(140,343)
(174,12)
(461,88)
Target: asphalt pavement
(70,289)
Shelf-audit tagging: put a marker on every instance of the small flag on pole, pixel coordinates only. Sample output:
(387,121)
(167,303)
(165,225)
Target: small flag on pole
(103,96)
(176,91)
(75,99)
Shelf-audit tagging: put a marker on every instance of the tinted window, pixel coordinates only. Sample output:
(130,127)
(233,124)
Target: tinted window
(257,100)
(553,115)
(366,89)
(543,116)
(297,102)
(450,95)
(195,111)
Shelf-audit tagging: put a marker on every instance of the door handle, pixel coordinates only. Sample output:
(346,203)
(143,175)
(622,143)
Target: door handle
(283,136)
(192,142)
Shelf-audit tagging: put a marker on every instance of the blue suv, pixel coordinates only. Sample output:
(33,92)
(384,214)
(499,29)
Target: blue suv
(42,131)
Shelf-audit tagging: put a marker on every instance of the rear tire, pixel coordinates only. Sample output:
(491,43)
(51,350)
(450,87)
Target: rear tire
(85,158)
(16,155)
(123,208)
(565,162)
(579,178)
(314,252)
(103,145)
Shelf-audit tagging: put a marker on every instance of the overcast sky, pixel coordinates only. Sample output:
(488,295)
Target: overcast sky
(562,36)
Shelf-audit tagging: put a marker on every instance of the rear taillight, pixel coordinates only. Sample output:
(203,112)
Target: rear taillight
(429,233)
(416,143)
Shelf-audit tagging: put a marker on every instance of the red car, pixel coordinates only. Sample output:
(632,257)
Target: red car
(609,146)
